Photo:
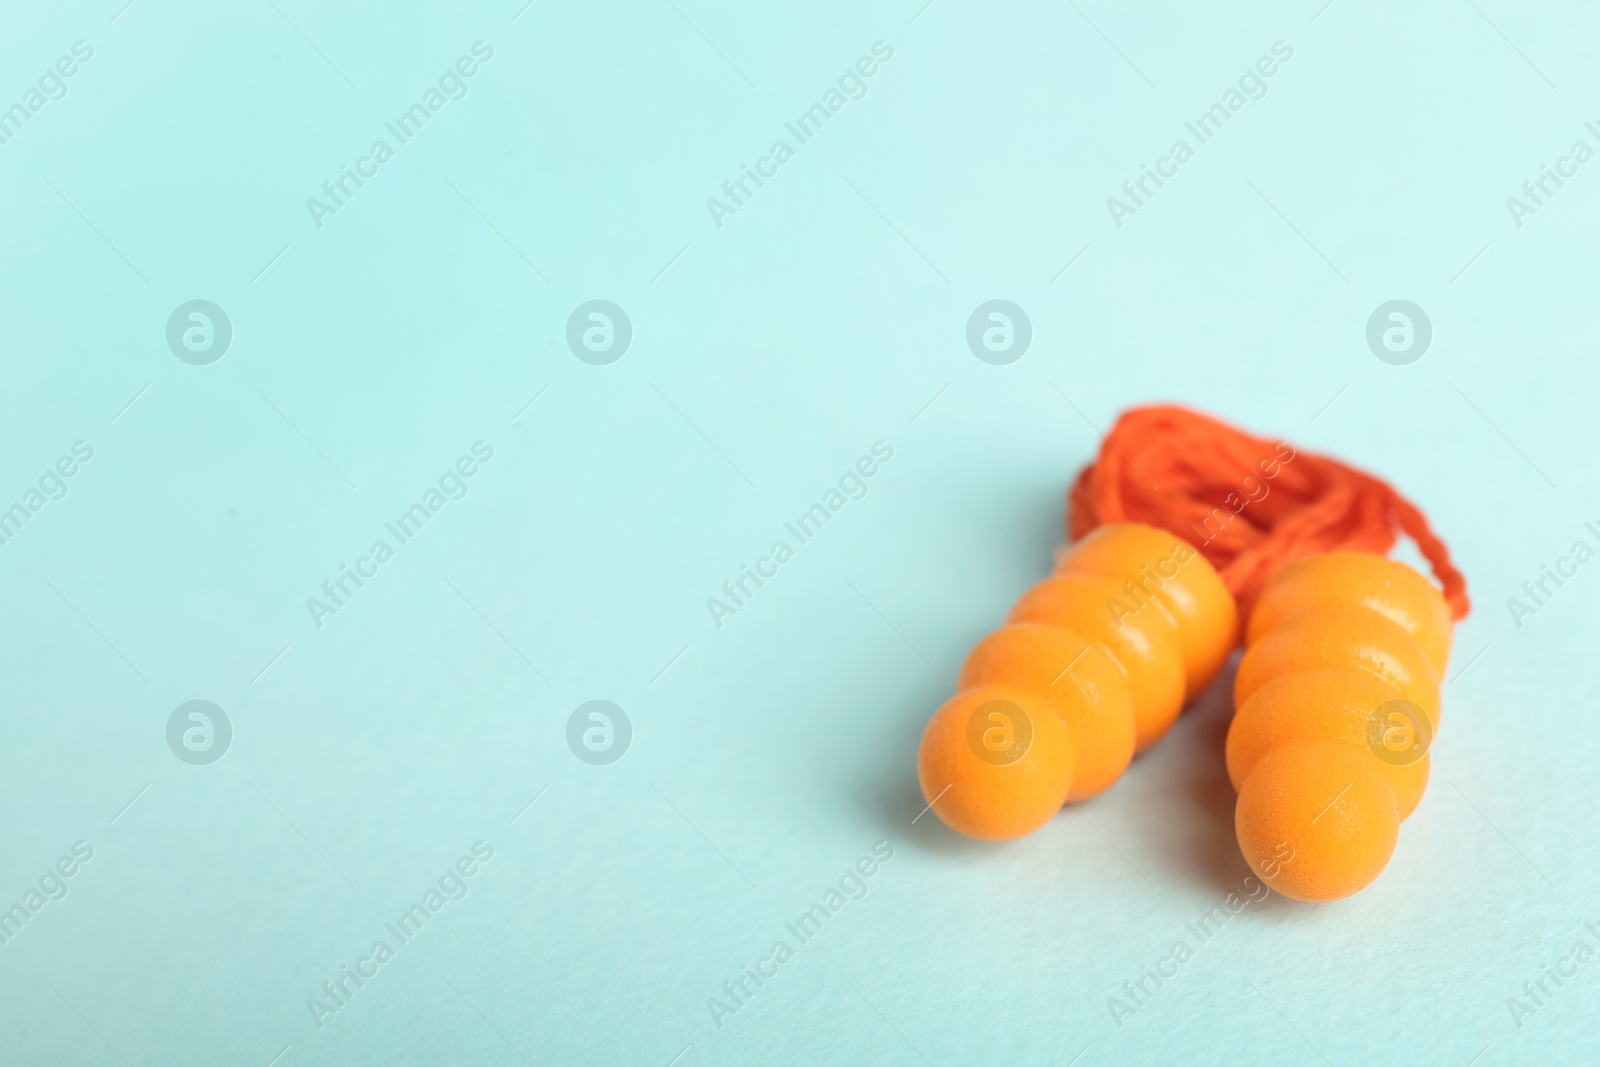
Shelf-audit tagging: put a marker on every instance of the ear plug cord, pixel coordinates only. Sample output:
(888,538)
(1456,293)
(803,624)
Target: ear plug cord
(1174,468)
(1337,696)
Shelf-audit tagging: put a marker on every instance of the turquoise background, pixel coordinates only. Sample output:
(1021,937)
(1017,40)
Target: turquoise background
(768,354)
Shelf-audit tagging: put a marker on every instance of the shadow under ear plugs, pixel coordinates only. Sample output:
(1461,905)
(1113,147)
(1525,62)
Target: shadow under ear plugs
(1337,695)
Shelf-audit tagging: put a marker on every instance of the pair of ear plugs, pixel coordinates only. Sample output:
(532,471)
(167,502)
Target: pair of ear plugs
(1337,693)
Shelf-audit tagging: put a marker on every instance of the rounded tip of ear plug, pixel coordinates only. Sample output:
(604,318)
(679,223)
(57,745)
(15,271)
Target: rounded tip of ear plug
(995,763)
(1317,820)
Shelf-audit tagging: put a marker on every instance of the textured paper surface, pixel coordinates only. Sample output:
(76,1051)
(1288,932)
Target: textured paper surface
(374,345)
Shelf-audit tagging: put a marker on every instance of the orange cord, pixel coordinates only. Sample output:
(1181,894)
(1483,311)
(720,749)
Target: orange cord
(1203,480)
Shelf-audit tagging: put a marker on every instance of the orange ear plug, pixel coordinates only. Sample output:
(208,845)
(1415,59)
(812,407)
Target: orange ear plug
(1391,589)
(1093,664)
(1141,645)
(1337,694)
(1349,639)
(1315,822)
(1337,700)
(1003,759)
(1196,606)
(1091,699)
